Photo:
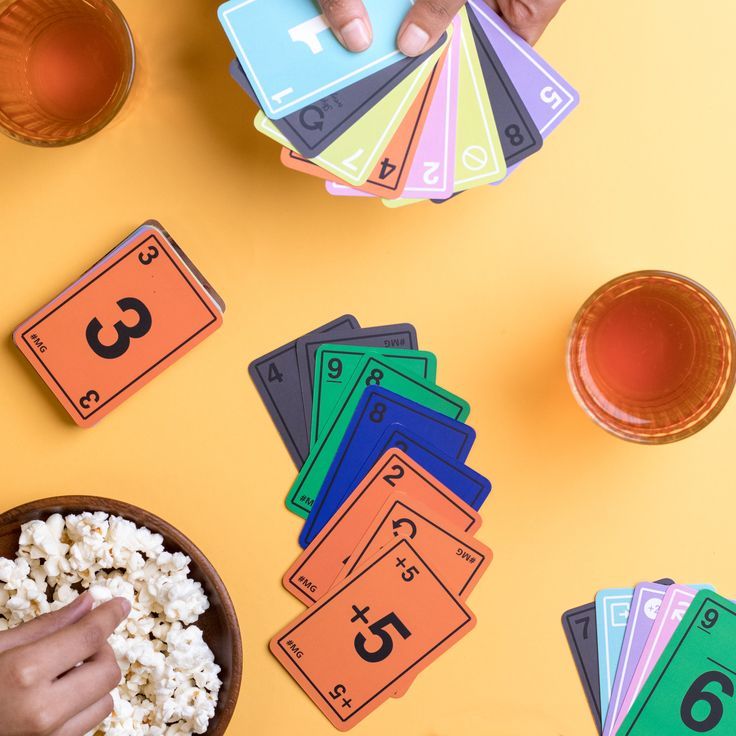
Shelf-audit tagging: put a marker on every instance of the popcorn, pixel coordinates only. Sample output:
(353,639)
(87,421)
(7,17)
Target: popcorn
(170,681)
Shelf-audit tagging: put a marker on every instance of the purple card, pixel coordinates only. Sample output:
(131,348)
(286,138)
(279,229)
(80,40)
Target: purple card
(343,190)
(545,94)
(432,173)
(644,608)
(674,605)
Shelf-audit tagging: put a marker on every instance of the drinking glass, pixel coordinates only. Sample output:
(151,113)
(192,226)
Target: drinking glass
(651,357)
(66,67)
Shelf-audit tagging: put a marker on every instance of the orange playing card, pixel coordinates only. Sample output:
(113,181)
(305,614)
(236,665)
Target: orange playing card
(388,178)
(126,319)
(458,559)
(317,568)
(389,621)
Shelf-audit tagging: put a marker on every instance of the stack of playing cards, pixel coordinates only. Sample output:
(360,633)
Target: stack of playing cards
(658,659)
(379,124)
(131,315)
(391,512)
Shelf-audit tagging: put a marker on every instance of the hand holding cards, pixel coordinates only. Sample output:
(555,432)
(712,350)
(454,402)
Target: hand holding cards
(391,511)
(381,125)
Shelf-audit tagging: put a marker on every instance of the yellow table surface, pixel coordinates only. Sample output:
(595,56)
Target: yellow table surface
(639,177)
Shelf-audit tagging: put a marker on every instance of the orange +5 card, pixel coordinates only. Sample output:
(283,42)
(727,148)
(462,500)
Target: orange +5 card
(390,621)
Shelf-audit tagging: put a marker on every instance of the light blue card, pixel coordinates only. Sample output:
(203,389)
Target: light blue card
(291,57)
(612,615)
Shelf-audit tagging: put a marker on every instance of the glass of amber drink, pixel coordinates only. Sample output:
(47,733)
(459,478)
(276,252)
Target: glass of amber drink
(66,67)
(652,357)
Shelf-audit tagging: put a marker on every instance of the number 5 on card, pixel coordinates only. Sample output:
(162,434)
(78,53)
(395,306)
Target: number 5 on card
(347,651)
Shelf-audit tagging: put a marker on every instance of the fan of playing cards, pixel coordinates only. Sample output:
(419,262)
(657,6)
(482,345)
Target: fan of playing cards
(378,124)
(656,659)
(390,512)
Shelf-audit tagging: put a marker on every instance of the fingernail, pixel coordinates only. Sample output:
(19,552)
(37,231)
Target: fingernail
(124,607)
(355,35)
(413,40)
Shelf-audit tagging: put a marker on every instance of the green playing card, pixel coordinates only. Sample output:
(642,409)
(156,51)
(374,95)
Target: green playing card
(336,364)
(691,689)
(370,372)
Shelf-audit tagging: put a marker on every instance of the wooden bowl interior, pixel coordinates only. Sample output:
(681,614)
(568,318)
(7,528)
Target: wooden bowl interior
(219,623)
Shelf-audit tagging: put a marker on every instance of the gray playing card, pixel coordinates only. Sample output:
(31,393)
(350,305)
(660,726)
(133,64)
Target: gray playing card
(580,629)
(519,135)
(276,378)
(313,128)
(402,336)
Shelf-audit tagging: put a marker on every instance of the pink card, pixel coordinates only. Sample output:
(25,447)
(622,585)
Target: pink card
(343,190)
(675,603)
(432,174)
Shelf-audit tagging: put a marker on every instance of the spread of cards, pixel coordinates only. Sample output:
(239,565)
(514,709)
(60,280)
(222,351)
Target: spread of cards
(390,510)
(382,125)
(658,659)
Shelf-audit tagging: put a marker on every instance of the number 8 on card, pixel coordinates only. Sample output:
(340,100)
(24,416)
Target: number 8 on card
(125,320)
(350,650)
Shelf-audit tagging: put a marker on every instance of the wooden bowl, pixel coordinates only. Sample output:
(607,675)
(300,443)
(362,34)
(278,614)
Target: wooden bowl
(219,623)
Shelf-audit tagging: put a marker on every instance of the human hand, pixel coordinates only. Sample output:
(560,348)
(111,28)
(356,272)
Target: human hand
(42,690)
(428,19)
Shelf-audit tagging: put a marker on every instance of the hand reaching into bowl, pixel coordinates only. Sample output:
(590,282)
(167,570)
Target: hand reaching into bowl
(42,690)
(428,19)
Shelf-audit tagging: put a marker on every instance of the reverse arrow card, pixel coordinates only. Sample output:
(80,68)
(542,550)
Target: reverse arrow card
(315,127)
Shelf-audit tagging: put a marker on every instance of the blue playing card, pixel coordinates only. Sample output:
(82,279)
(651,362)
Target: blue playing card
(612,616)
(466,483)
(291,57)
(362,437)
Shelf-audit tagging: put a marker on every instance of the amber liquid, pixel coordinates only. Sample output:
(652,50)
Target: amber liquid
(652,356)
(65,67)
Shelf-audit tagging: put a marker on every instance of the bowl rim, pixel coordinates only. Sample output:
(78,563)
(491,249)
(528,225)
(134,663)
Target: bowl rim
(52,504)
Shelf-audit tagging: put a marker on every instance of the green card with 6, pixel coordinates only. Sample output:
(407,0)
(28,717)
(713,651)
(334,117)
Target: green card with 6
(335,365)
(691,689)
(371,371)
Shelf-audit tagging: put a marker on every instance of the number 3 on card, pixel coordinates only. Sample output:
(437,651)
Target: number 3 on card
(122,323)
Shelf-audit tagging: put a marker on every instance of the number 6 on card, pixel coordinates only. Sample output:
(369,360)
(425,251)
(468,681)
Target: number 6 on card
(125,320)
(692,689)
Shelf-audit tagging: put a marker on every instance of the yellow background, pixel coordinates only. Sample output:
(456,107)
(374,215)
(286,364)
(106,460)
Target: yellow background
(641,176)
